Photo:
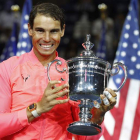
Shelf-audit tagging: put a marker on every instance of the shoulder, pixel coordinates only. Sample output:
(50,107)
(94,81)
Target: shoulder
(8,65)
(15,59)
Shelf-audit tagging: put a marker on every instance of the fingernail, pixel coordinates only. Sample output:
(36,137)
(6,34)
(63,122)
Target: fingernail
(102,96)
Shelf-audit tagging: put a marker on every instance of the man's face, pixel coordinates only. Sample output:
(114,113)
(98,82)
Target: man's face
(46,35)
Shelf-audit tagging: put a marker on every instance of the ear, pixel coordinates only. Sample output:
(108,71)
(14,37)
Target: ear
(63,30)
(30,30)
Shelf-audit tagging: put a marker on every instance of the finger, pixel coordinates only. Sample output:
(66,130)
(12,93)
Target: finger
(57,89)
(105,100)
(112,102)
(55,102)
(111,92)
(57,95)
(105,104)
(109,96)
(111,99)
(51,84)
(108,103)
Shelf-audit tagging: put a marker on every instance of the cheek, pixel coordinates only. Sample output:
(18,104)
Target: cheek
(36,37)
(57,39)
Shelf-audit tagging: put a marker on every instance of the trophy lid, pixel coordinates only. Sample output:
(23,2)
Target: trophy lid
(88,46)
(88,54)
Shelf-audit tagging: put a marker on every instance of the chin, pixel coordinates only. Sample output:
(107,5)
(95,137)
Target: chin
(48,53)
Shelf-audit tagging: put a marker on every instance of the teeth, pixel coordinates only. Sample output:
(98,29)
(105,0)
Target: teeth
(46,46)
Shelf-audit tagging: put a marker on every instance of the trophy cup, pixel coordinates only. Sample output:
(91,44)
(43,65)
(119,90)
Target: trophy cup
(88,77)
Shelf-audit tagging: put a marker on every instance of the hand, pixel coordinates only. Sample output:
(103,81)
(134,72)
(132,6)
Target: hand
(108,102)
(48,100)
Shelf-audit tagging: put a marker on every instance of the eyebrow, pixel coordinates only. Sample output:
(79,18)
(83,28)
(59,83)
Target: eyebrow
(55,29)
(39,28)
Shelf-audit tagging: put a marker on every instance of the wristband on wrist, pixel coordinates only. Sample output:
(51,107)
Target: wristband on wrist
(35,114)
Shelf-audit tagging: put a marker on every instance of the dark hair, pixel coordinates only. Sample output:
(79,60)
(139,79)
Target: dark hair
(47,9)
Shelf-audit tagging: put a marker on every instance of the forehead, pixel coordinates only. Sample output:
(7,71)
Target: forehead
(46,21)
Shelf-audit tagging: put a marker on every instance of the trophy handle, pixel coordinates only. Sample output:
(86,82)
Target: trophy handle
(116,66)
(58,63)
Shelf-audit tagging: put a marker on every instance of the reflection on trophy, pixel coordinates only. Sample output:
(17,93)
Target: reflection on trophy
(88,77)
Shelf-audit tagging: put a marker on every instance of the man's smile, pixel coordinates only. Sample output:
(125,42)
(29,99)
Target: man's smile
(46,46)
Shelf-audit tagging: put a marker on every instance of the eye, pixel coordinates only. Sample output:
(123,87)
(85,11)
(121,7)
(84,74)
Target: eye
(55,31)
(40,31)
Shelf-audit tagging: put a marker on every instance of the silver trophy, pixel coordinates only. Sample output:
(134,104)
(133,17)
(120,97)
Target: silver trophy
(88,77)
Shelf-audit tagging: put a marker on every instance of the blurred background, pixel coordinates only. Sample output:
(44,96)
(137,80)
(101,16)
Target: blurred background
(103,22)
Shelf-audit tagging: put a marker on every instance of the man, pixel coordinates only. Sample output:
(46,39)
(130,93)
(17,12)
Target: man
(31,106)
(103,32)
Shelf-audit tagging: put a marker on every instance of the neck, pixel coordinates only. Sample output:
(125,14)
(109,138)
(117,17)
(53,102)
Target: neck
(44,60)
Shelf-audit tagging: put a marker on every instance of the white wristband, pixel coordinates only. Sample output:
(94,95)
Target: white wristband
(35,114)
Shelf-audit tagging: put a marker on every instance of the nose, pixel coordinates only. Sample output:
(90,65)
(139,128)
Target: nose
(47,37)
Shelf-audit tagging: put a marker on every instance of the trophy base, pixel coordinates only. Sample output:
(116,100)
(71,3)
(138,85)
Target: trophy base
(84,128)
